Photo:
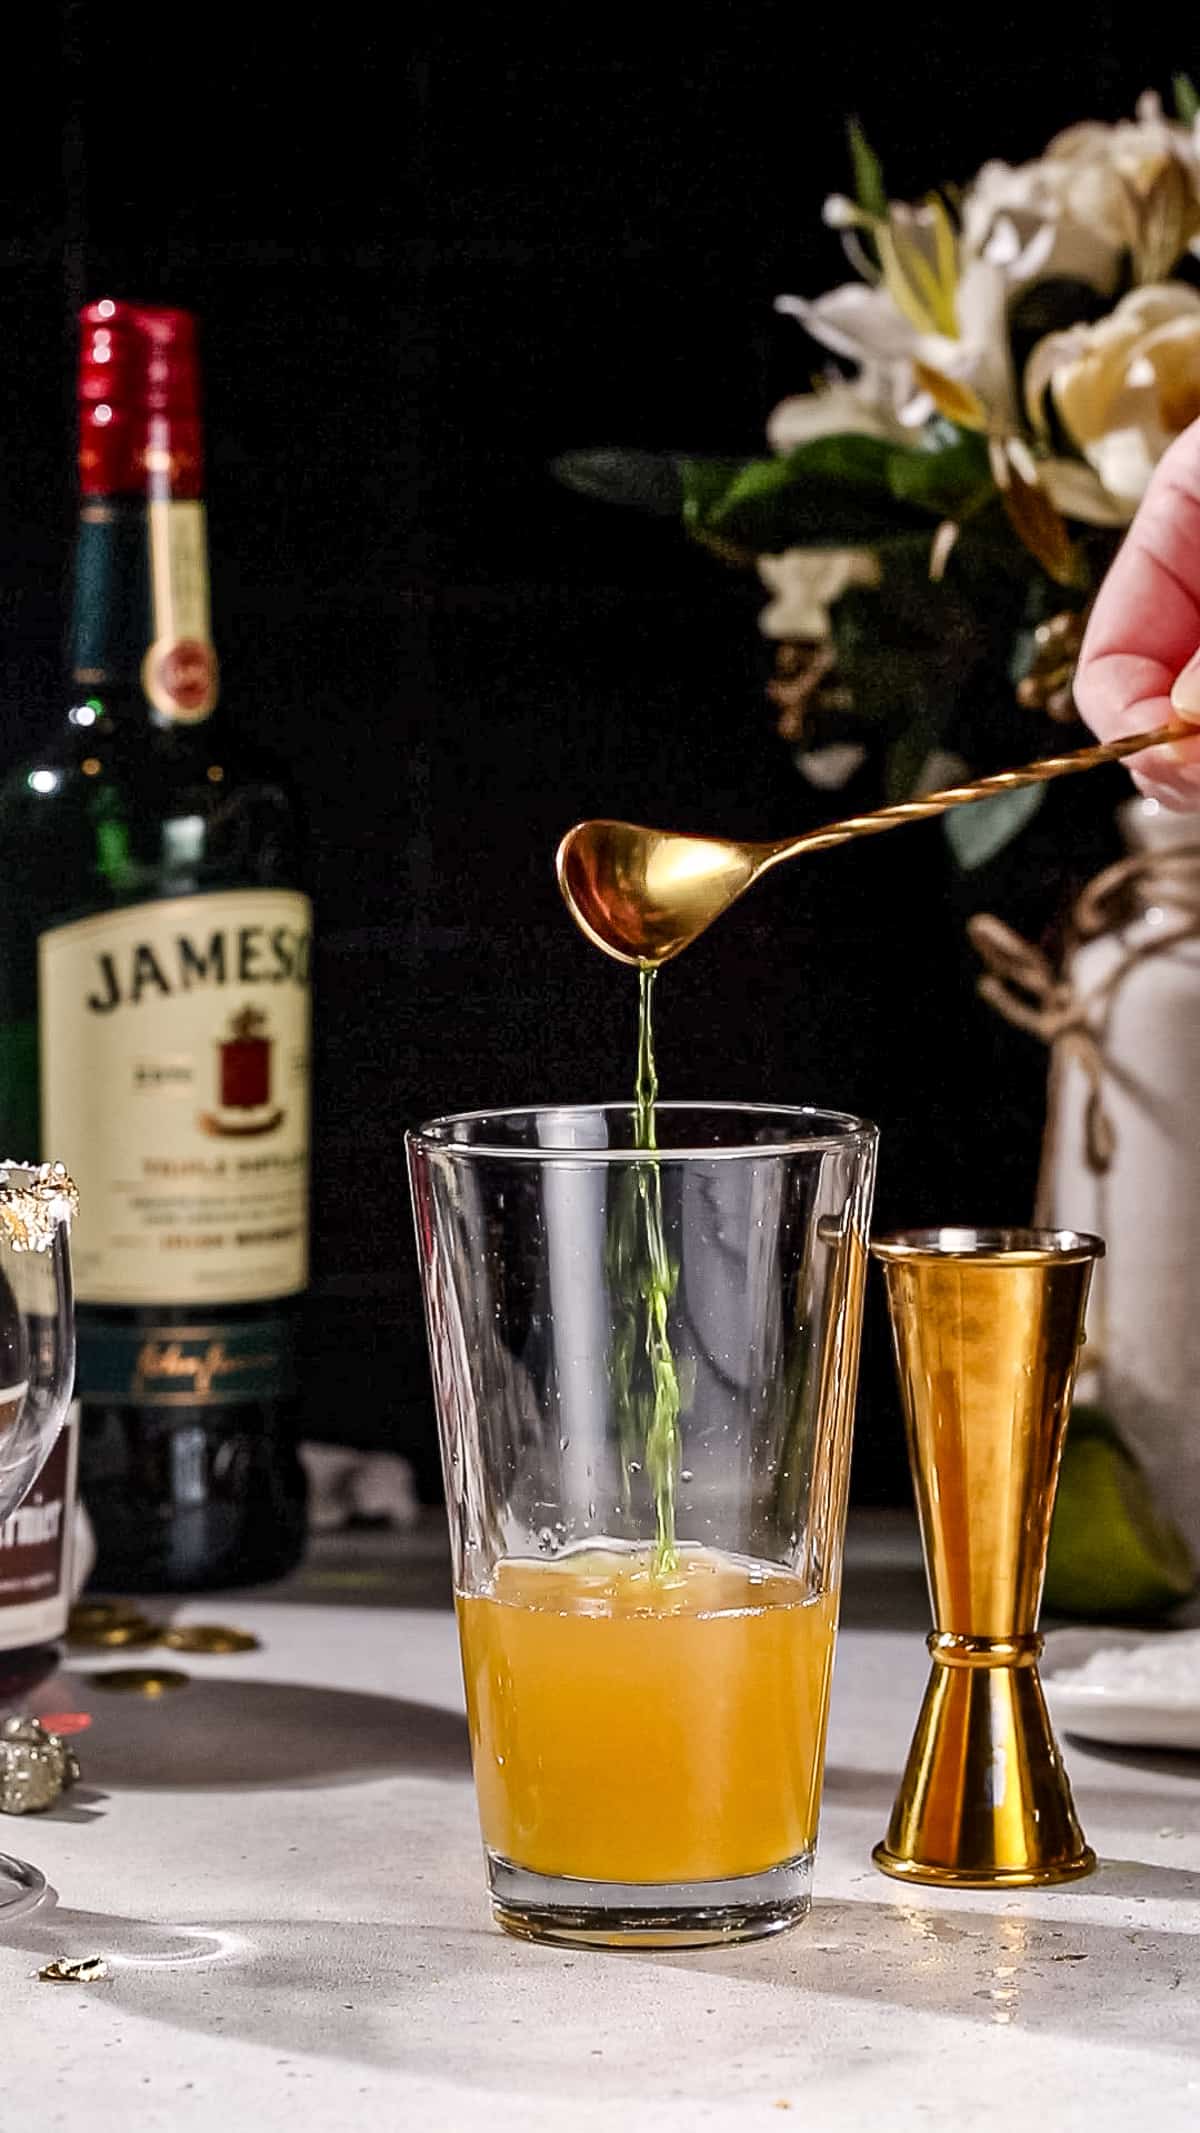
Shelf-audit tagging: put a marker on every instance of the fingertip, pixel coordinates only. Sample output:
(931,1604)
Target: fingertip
(1171,763)
(1178,791)
(1184,753)
(1185,692)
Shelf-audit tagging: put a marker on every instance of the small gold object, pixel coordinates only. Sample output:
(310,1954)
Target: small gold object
(36,1767)
(74,1970)
(140,1680)
(801,682)
(209,1637)
(89,1615)
(643,895)
(987,1327)
(133,1633)
(1050,682)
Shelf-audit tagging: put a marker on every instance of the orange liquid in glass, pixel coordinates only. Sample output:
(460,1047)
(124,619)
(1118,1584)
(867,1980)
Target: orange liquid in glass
(628,1726)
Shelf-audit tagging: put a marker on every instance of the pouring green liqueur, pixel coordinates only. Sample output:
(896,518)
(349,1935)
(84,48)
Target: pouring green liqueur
(646,1390)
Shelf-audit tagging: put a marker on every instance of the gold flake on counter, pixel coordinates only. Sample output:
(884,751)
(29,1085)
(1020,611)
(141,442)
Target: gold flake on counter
(140,1680)
(88,1615)
(115,1625)
(131,1633)
(211,1637)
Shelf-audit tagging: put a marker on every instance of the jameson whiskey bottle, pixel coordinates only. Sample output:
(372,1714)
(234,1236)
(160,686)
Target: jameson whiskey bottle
(154,1009)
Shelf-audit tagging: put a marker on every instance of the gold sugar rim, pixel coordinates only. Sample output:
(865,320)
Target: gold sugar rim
(36,1201)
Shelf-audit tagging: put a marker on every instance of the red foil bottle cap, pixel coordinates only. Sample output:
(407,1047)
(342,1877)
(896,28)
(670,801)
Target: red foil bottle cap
(139,401)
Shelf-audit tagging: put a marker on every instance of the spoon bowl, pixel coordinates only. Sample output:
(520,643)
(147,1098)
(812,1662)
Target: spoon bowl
(643,895)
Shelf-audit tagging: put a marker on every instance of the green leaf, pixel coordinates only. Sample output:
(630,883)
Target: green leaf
(950,477)
(708,485)
(906,652)
(846,490)
(1187,100)
(909,752)
(990,566)
(831,493)
(649,481)
(976,834)
(869,188)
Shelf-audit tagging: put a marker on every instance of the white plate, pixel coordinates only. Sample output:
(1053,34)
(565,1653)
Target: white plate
(1103,1714)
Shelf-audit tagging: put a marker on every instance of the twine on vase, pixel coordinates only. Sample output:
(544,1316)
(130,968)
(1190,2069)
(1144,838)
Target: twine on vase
(1022,983)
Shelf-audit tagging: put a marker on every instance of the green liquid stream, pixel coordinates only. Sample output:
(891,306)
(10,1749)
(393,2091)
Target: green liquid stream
(656,1285)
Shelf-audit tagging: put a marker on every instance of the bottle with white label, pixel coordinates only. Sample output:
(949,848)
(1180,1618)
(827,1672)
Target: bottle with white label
(154,1010)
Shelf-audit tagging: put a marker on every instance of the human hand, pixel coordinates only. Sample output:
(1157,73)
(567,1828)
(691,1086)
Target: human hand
(1140,662)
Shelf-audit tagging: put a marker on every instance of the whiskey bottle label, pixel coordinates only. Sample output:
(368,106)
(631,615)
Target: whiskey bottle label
(35,1550)
(174,1041)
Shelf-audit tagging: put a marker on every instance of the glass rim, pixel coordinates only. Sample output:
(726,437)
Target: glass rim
(845,1131)
(975,1245)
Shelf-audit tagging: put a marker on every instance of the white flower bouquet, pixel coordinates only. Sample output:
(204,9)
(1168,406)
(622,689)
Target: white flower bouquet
(933,518)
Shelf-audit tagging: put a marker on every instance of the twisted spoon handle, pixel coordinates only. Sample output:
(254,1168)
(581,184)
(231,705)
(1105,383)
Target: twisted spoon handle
(937,803)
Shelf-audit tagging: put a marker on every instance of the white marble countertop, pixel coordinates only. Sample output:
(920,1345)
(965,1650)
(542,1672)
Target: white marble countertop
(281,1866)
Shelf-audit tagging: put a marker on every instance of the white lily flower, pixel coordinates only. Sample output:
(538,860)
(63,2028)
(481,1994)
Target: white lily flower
(928,325)
(1124,388)
(1025,220)
(857,321)
(805,582)
(863,405)
(965,373)
(1077,491)
(1137,183)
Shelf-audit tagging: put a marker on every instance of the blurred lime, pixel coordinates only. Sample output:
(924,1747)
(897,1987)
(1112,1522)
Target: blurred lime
(1113,1553)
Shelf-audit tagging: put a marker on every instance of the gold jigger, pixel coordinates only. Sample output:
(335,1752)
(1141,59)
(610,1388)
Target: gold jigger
(987,1326)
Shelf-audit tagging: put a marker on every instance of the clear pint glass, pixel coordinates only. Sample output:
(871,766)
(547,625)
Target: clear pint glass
(644,1365)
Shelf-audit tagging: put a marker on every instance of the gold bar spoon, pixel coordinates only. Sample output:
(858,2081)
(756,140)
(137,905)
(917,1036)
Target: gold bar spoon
(643,895)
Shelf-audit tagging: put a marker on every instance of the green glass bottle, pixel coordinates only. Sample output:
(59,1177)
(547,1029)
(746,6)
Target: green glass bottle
(154,1010)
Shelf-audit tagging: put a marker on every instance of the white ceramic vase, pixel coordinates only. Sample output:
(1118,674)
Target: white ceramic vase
(1142,1361)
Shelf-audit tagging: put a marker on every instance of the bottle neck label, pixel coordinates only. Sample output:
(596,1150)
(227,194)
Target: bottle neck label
(141,610)
(179,671)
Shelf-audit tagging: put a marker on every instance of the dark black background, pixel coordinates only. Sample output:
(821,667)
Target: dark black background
(425,261)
